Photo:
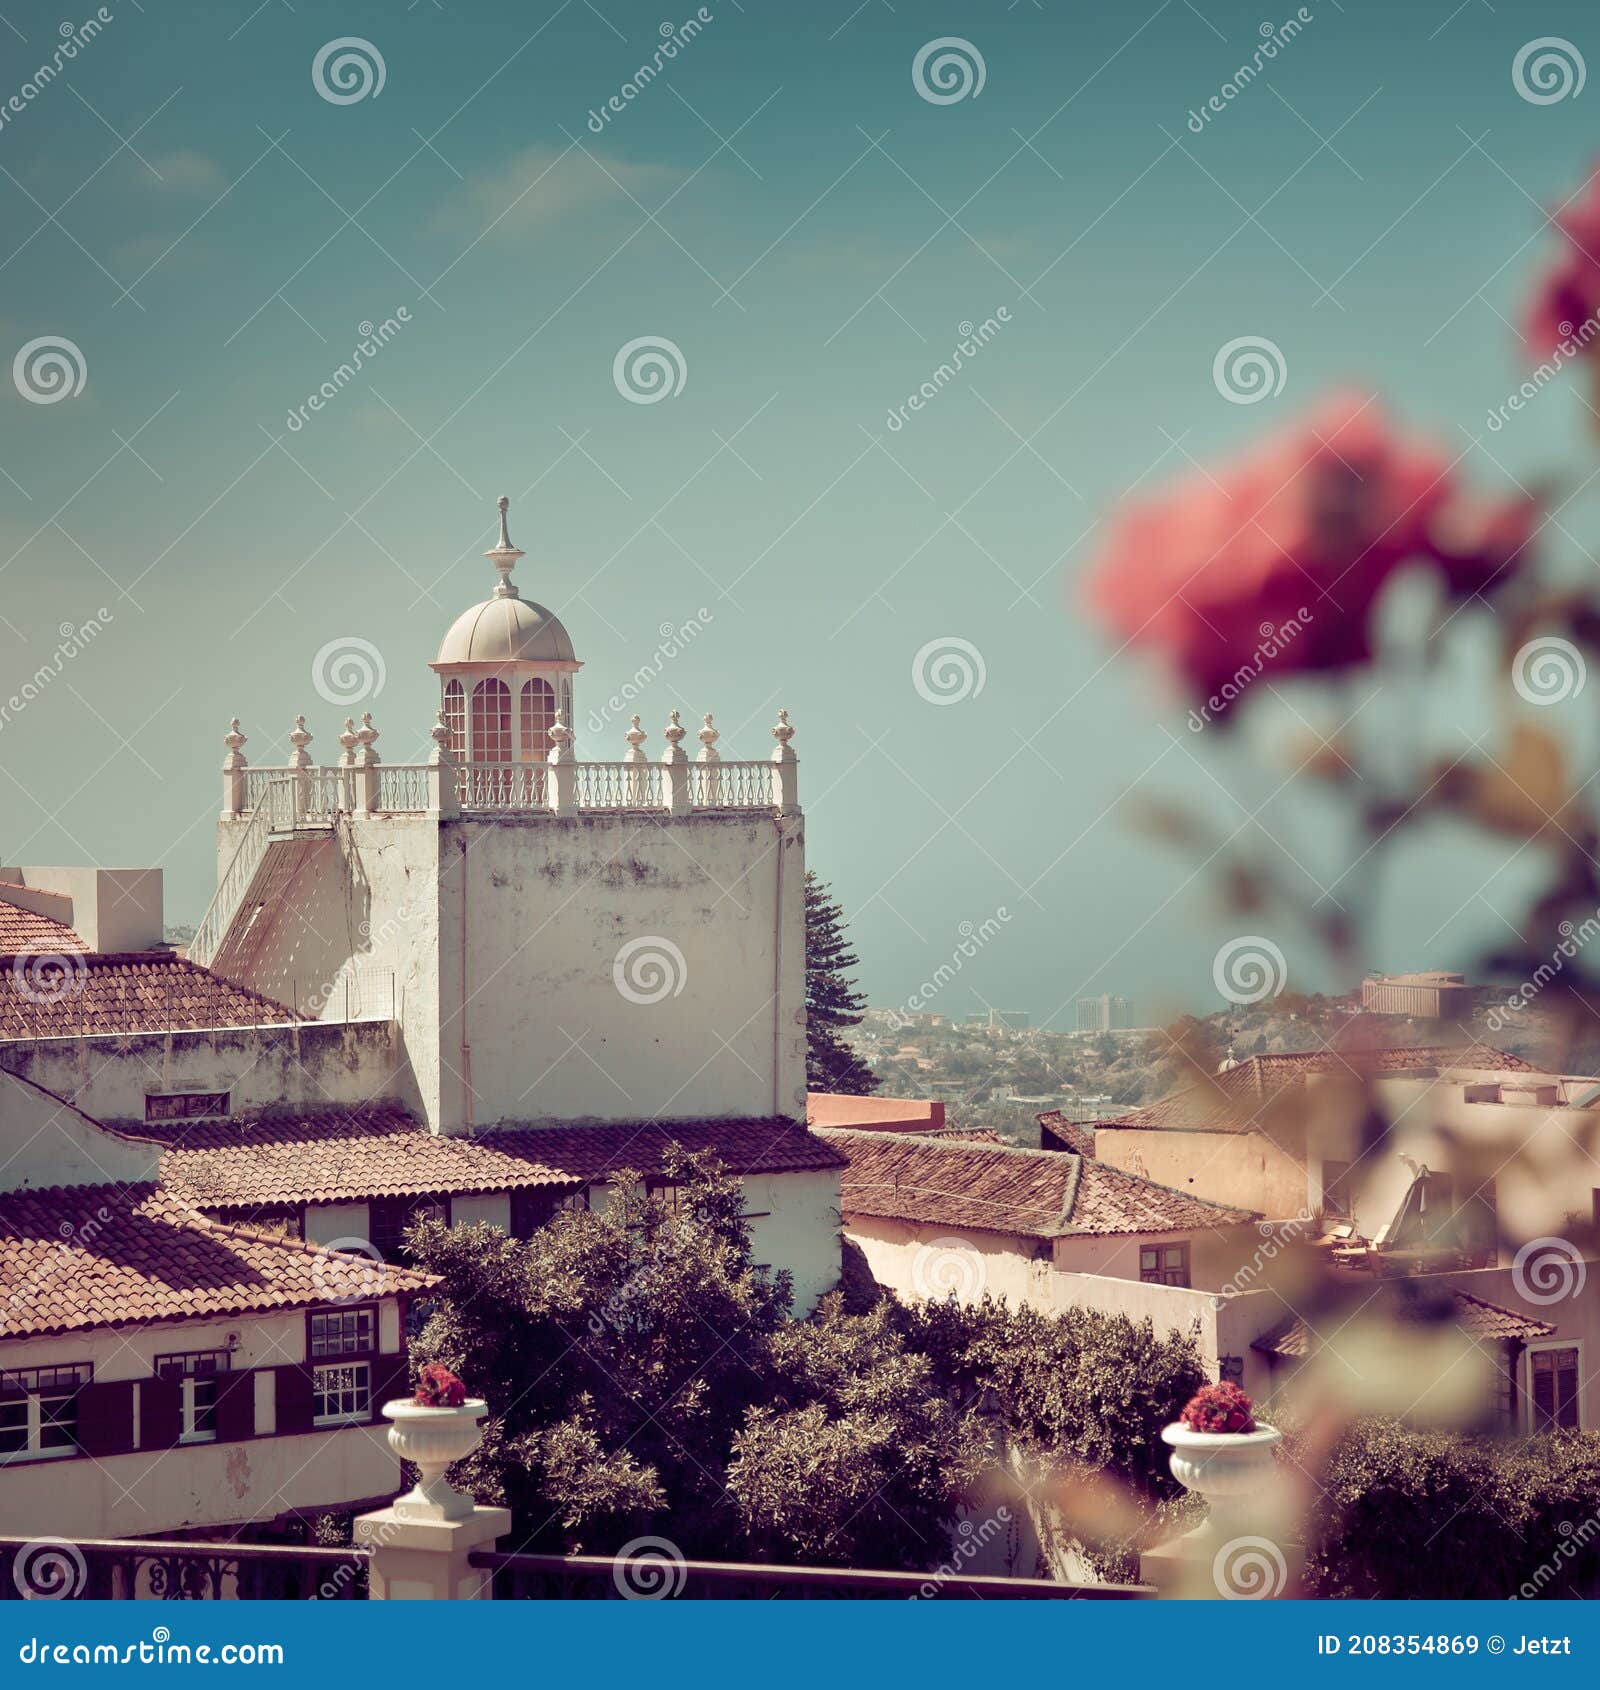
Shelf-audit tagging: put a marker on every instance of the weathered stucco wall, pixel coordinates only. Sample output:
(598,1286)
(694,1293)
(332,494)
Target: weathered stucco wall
(917,1261)
(1245,1169)
(44,1143)
(795,1225)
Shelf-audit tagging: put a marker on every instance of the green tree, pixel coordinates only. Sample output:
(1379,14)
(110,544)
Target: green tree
(832,1001)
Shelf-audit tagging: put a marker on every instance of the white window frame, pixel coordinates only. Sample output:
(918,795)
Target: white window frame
(35,1400)
(343,1417)
(1534,1347)
(188,1384)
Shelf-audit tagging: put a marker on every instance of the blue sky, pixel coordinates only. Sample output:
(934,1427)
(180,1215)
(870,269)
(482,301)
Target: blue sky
(782,205)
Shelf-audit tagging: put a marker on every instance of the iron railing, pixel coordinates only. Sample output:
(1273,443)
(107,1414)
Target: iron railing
(175,1571)
(605,1577)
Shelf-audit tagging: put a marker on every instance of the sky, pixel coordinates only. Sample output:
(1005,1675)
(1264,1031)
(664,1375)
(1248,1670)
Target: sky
(209,230)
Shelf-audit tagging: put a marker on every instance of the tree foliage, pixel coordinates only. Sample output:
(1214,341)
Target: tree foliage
(832,1000)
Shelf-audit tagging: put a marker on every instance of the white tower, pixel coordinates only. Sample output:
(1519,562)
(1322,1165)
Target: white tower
(505,670)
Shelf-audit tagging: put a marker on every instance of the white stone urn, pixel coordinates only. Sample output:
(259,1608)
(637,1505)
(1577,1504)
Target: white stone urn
(1227,1468)
(434,1439)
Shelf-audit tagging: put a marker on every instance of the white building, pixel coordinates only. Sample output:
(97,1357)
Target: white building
(470,988)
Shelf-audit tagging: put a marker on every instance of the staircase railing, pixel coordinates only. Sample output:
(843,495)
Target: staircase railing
(275,814)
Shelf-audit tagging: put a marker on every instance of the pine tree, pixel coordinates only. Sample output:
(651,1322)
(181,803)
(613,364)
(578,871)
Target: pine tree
(832,1001)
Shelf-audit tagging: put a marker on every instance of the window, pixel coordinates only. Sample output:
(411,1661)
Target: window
(391,1217)
(531,1210)
(1553,1385)
(39,1410)
(184,1105)
(343,1332)
(538,716)
(1163,1264)
(1336,1190)
(341,1393)
(455,719)
(491,722)
(197,1373)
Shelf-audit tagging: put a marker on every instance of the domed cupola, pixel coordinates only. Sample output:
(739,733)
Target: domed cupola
(505,669)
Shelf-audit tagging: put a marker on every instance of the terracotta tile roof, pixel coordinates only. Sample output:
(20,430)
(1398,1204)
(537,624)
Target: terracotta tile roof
(136,992)
(1002,1188)
(239,1167)
(1056,1132)
(1479,1319)
(22,930)
(1238,1099)
(73,1258)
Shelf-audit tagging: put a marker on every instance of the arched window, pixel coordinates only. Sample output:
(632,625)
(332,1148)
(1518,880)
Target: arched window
(538,713)
(455,719)
(491,722)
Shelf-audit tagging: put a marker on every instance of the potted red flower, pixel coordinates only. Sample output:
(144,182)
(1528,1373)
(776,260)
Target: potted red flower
(1219,1449)
(433,1429)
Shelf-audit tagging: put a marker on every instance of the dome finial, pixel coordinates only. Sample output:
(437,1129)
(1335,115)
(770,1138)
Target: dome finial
(504,556)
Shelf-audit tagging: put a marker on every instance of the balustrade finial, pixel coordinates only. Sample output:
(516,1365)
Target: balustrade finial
(235,742)
(299,738)
(504,556)
(708,737)
(635,736)
(783,733)
(368,735)
(348,741)
(439,733)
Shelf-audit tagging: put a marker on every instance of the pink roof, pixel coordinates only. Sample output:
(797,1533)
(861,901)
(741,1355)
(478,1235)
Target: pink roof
(874,1114)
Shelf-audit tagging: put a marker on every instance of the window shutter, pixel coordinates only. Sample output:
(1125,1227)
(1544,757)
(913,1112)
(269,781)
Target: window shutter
(1544,1399)
(105,1418)
(160,1413)
(1567,1388)
(236,1406)
(294,1399)
(391,1378)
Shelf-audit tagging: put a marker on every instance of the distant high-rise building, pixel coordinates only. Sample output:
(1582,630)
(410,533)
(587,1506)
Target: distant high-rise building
(1104,1014)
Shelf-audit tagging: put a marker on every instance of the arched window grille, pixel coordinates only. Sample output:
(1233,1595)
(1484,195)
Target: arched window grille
(455,719)
(538,713)
(491,722)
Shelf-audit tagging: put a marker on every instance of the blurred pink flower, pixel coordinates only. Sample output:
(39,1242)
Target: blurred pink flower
(1275,563)
(1568,295)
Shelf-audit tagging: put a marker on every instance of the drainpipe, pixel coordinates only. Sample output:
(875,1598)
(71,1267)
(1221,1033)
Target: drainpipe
(466,1042)
(777,970)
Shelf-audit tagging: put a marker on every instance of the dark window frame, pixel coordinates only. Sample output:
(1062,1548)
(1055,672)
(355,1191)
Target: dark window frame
(1161,1270)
